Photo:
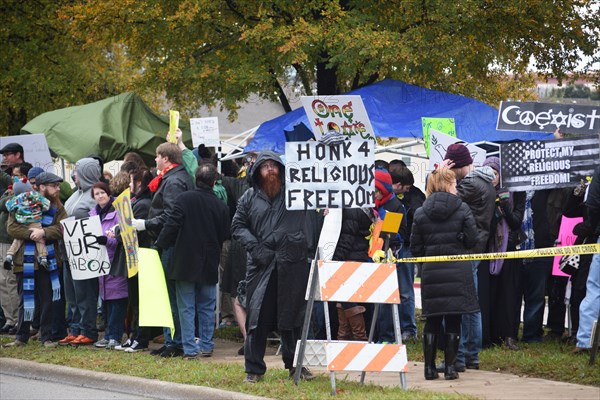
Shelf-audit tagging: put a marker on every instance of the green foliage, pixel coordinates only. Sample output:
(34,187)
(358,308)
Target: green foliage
(219,52)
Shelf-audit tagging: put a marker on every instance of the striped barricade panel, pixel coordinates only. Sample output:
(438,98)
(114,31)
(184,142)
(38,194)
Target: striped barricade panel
(358,282)
(370,357)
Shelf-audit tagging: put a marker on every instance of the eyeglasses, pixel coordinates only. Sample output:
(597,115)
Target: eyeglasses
(268,164)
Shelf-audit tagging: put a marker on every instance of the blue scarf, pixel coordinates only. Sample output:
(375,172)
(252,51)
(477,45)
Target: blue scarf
(29,270)
(527,226)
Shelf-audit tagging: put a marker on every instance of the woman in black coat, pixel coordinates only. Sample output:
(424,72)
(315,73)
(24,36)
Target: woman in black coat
(444,226)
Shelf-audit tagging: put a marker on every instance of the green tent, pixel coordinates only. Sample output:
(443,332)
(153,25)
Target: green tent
(109,128)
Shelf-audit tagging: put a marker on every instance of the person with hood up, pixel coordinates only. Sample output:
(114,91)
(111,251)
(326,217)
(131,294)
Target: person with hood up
(444,225)
(277,269)
(475,188)
(82,295)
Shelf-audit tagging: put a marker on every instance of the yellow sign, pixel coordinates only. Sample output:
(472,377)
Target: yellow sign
(173,125)
(545,252)
(129,235)
(155,309)
(391,222)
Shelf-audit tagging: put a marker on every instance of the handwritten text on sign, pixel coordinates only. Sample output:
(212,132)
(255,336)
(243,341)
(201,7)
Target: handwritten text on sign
(129,235)
(87,258)
(329,176)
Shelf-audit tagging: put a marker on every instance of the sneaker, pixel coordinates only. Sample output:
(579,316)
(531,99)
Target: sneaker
(82,340)
(112,343)
(158,351)
(190,357)
(241,351)
(252,378)
(8,262)
(305,374)
(101,344)
(50,344)
(16,343)
(67,340)
(135,347)
(206,353)
(409,337)
(171,352)
(43,262)
(472,366)
(125,345)
(6,328)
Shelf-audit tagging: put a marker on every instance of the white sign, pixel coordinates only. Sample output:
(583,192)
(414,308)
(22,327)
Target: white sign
(344,114)
(439,143)
(87,258)
(35,149)
(329,176)
(205,131)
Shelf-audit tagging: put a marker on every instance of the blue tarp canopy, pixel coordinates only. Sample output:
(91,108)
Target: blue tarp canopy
(395,109)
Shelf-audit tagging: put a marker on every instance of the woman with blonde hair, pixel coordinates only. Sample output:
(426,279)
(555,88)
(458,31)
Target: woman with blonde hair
(443,226)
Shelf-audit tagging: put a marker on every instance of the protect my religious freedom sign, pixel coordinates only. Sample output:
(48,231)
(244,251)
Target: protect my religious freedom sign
(329,176)
(343,114)
(547,117)
(549,164)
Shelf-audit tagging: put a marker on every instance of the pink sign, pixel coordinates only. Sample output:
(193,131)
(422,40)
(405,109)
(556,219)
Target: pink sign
(566,238)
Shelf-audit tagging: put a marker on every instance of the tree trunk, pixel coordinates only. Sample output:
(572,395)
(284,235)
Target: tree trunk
(17,119)
(326,78)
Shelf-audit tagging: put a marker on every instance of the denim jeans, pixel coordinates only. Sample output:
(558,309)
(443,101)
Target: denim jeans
(534,275)
(115,318)
(175,341)
(470,335)
(196,299)
(86,297)
(588,310)
(406,282)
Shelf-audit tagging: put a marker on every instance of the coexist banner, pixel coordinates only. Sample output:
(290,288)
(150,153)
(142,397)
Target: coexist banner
(547,117)
(329,176)
(549,164)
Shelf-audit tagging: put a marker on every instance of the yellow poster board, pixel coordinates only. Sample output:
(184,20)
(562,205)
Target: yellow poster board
(155,309)
(173,125)
(391,222)
(128,234)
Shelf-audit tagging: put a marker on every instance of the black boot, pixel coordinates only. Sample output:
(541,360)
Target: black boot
(429,351)
(452,341)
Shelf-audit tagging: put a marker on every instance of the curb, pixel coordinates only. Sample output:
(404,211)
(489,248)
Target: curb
(112,382)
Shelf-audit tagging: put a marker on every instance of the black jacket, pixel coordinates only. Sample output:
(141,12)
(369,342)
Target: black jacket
(411,200)
(593,201)
(445,226)
(477,191)
(352,244)
(174,182)
(197,225)
(274,239)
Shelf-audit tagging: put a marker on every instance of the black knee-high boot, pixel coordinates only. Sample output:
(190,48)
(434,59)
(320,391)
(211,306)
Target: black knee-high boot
(429,351)
(452,341)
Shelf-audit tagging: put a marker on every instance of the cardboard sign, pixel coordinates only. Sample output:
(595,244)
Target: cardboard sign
(549,164)
(205,131)
(565,238)
(155,309)
(439,143)
(329,176)
(128,234)
(87,258)
(173,125)
(35,149)
(443,125)
(547,117)
(344,114)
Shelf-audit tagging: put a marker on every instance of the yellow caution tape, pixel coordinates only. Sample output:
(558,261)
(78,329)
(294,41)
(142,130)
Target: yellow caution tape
(592,248)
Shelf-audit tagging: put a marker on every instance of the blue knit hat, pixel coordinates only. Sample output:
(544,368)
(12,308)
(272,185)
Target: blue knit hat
(34,172)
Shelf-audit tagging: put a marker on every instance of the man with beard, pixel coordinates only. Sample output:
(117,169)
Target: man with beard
(33,280)
(277,269)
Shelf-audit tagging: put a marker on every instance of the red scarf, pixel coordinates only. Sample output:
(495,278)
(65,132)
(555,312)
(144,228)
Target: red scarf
(155,183)
(379,203)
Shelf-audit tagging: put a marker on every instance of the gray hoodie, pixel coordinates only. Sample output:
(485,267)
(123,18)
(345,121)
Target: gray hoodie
(81,201)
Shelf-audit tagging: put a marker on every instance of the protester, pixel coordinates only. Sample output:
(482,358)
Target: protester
(277,272)
(12,154)
(82,295)
(172,180)
(498,296)
(196,258)
(34,281)
(444,226)
(112,288)
(590,305)
(475,189)
(27,206)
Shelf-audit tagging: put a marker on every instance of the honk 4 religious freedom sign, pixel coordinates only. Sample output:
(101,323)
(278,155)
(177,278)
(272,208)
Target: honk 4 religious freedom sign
(87,258)
(548,164)
(547,117)
(343,114)
(329,176)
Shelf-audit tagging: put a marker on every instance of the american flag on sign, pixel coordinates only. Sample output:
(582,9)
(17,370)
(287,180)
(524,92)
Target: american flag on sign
(549,164)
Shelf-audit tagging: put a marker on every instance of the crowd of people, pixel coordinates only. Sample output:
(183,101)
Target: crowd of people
(229,234)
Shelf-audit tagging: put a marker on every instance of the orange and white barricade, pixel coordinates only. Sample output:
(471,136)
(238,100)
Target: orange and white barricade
(362,283)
